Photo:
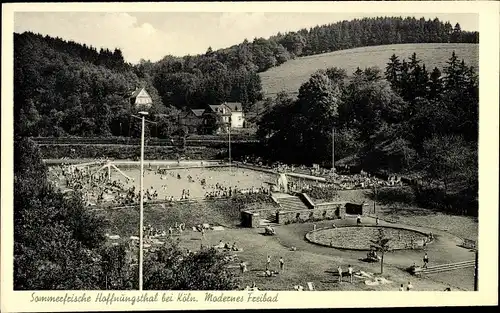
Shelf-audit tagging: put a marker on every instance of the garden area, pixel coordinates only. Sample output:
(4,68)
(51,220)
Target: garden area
(361,237)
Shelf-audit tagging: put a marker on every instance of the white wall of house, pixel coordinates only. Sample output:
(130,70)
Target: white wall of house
(237,119)
(143,98)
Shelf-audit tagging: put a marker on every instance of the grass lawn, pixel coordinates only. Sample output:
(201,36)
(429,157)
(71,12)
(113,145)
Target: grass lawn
(316,264)
(125,221)
(292,74)
(462,226)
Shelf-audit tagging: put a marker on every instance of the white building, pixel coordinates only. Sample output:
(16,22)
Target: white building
(140,97)
(237,117)
(231,114)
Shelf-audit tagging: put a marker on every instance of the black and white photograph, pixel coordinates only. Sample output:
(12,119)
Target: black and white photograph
(257,152)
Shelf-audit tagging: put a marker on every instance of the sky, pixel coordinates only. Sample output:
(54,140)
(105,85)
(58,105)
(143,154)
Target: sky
(151,36)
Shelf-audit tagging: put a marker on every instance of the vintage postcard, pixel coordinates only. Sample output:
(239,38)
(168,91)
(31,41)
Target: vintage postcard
(249,155)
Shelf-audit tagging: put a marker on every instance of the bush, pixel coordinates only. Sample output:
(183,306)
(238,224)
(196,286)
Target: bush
(430,198)
(172,268)
(398,194)
(324,193)
(436,198)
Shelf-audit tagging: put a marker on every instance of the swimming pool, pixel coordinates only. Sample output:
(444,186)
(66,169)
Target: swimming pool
(172,181)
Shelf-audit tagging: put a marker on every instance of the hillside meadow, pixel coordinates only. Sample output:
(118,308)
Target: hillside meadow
(292,74)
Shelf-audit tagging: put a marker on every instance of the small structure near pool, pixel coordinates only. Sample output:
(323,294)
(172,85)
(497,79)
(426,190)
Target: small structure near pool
(300,208)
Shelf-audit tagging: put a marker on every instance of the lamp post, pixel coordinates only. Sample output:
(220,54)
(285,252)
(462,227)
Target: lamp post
(141,202)
(229,141)
(476,265)
(142,107)
(333,149)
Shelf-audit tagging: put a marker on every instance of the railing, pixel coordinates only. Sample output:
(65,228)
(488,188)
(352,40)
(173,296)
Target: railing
(443,267)
(308,201)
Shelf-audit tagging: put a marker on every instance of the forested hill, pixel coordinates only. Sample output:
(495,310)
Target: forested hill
(63,88)
(66,88)
(373,32)
(263,54)
(105,57)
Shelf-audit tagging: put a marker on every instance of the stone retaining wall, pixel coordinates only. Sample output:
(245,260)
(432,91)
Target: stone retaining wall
(324,213)
(310,236)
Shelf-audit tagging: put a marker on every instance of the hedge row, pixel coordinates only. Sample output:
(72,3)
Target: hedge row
(151,141)
(127,152)
(206,152)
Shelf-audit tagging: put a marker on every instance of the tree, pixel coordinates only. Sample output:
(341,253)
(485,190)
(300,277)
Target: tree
(456,35)
(445,156)
(368,104)
(56,239)
(118,274)
(172,268)
(381,244)
(452,73)
(274,131)
(435,84)
(319,99)
(337,76)
(392,71)
(372,73)
(212,122)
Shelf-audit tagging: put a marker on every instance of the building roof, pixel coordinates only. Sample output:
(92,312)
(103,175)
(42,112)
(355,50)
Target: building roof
(140,93)
(136,92)
(214,107)
(198,112)
(234,106)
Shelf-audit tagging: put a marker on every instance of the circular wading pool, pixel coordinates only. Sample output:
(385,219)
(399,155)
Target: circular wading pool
(360,237)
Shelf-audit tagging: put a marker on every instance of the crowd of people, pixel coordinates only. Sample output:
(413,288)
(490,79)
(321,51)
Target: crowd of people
(363,180)
(342,181)
(98,188)
(153,232)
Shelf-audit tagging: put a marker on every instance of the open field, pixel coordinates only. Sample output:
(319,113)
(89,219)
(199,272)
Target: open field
(292,74)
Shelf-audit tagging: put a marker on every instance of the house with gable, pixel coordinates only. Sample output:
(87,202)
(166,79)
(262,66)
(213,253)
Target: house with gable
(237,119)
(191,119)
(230,113)
(140,97)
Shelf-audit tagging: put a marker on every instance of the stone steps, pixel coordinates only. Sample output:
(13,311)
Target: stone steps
(292,204)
